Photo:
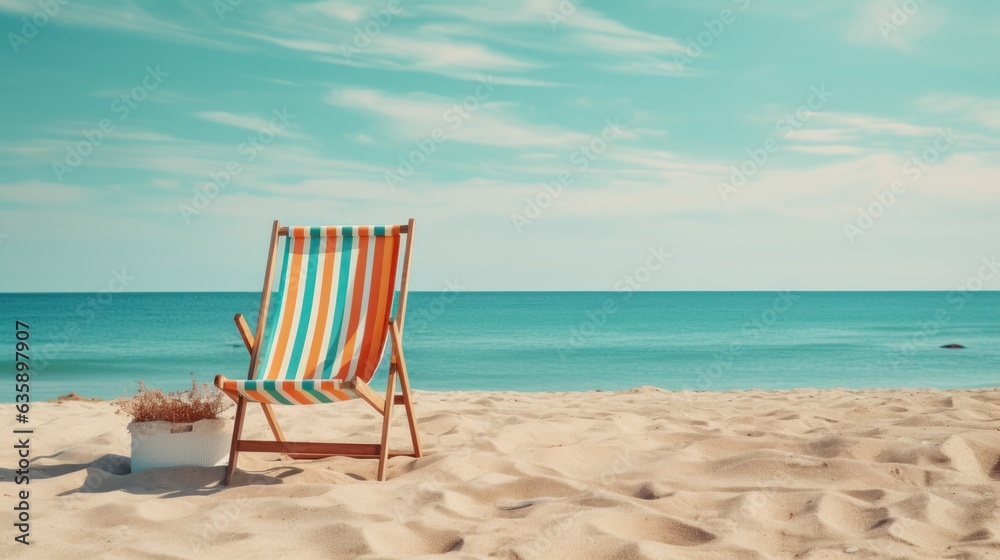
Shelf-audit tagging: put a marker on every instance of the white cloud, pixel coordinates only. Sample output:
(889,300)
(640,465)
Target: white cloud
(872,124)
(246,122)
(128,16)
(825,135)
(970,108)
(351,12)
(42,192)
(397,46)
(830,149)
(612,45)
(328,31)
(418,115)
(885,23)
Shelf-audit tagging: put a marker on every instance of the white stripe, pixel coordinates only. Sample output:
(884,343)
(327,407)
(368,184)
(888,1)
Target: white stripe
(311,326)
(338,231)
(298,385)
(332,305)
(303,264)
(345,320)
(280,314)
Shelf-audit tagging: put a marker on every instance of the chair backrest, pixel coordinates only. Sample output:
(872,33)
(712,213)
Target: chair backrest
(333,303)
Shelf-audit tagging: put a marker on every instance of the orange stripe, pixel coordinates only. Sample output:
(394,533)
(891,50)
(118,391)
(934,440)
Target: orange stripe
(296,395)
(256,396)
(288,321)
(387,291)
(326,282)
(339,394)
(355,304)
(377,303)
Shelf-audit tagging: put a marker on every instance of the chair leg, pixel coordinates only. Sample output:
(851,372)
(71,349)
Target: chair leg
(400,362)
(241,409)
(386,420)
(404,384)
(272,421)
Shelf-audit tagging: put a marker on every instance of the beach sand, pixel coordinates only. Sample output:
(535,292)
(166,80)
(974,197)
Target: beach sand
(642,473)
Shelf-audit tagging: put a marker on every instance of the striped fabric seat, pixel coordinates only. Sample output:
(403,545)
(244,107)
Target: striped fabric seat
(321,335)
(330,317)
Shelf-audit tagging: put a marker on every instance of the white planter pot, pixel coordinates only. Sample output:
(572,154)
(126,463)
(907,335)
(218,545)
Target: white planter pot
(204,443)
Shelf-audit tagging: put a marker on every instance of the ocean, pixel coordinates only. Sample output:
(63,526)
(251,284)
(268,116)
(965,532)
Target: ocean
(102,345)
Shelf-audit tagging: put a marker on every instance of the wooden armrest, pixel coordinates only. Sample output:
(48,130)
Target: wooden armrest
(244,328)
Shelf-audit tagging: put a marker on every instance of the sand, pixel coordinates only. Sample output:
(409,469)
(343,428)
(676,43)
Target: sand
(643,473)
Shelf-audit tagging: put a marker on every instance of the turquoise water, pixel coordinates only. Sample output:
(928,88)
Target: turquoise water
(102,345)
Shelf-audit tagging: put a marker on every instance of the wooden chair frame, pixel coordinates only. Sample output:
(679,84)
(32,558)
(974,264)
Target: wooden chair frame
(383,405)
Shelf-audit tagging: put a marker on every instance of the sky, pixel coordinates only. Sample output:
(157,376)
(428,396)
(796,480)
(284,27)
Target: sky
(539,144)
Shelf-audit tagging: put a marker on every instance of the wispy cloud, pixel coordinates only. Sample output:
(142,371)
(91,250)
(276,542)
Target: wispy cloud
(130,17)
(893,23)
(465,42)
(826,135)
(608,43)
(874,124)
(43,193)
(417,115)
(839,134)
(969,108)
(246,122)
(830,149)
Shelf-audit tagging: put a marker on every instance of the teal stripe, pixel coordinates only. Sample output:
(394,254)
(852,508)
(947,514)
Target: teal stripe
(343,281)
(276,304)
(318,395)
(341,231)
(270,386)
(306,316)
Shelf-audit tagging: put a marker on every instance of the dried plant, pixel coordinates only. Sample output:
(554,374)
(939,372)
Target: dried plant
(190,405)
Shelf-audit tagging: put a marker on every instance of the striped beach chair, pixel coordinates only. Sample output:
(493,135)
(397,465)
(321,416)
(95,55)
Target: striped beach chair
(333,315)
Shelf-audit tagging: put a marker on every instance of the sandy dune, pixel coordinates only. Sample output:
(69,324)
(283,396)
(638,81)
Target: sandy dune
(633,474)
